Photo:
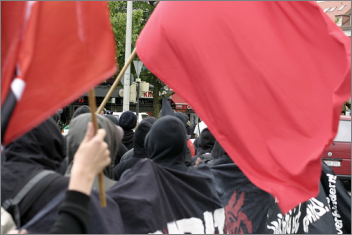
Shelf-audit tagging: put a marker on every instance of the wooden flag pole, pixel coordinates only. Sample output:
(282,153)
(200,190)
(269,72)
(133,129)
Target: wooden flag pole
(118,78)
(93,106)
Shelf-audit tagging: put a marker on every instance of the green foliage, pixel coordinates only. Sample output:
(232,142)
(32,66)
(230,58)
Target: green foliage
(118,14)
(141,12)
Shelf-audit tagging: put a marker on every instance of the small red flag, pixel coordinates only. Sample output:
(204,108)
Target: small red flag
(268,78)
(56,51)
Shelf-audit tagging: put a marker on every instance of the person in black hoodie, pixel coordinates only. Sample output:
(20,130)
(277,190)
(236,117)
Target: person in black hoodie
(39,149)
(128,121)
(130,152)
(183,119)
(205,144)
(220,156)
(122,148)
(166,143)
(138,150)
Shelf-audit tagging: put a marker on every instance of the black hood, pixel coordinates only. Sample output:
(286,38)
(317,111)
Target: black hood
(206,141)
(220,156)
(182,118)
(150,120)
(217,151)
(43,145)
(166,143)
(139,137)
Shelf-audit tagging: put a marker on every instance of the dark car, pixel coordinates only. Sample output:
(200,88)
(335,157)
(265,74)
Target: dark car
(338,154)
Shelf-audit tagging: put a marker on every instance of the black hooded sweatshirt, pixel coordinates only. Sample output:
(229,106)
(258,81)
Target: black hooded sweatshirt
(205,144)
(138,150)
(182,118)
(127,139)
(122,148)
(219,155)
(40,149)
(166,143)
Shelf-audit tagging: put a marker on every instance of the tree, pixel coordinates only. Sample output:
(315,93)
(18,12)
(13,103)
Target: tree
(141,12)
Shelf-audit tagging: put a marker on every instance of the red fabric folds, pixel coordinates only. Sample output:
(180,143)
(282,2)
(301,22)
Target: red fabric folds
(62,49)
(268,78)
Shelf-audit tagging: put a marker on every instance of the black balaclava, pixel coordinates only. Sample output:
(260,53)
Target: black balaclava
(217,151)
(150,120)
(166,143)
(182,118)
(43,145)
(206,141)
(139,137)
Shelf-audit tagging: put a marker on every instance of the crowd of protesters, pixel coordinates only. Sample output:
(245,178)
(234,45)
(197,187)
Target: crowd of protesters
(129,154)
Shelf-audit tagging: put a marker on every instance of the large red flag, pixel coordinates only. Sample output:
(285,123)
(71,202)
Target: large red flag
(51,53)
(268,78)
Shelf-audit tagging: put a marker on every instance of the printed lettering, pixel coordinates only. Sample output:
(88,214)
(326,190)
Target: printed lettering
(315,210)
(286,224)
(195,225)
(219,220)
(332,191)
(333,203)
(209,222)
(332,178)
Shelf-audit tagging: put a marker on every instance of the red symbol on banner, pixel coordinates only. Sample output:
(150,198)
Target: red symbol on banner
(236,221)
(81,100)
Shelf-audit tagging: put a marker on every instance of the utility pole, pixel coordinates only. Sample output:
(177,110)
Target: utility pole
(138,66)
(126,87)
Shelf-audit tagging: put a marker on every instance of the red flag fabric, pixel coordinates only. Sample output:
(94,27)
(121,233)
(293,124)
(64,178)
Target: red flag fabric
(59,51)
(268,78)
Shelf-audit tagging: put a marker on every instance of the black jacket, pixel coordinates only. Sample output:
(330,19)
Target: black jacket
(205,144)
(138,151)
(37,150)
(166,143)
(74,216)
(127,139)
(219,155)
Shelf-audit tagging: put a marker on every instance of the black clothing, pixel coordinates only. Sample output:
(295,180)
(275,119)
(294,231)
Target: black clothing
(150,120)
(138,152)
(122,150)
(217,150)
(127,155)
(37,150)
(205,144)
(74,215)
(166,143)
(127,139)
(224,159)
(182,119)
(165,108)
(63,166)
(188,155)
(219,156)
(128,120)
(151,196)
